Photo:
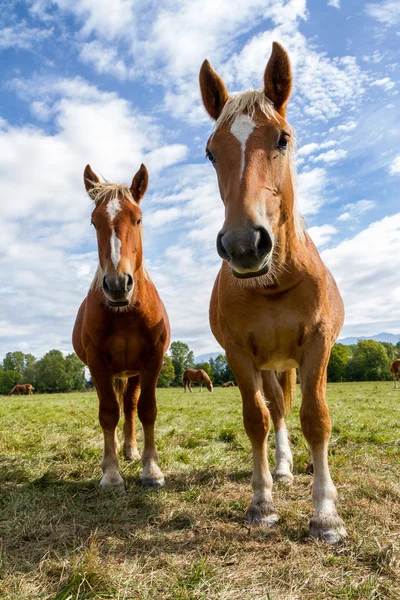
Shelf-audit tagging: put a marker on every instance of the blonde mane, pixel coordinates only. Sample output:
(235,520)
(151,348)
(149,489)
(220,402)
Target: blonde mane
(105,191)
(247,102)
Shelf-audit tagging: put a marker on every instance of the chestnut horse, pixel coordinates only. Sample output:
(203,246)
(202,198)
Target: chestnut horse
(228,384)
(395,371)
(274,306)
(122,331)
(196,376)
(22,388)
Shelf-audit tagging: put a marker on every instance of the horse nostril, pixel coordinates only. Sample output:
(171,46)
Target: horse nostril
(129,282)
(222,251)
(105,286)
(263,242)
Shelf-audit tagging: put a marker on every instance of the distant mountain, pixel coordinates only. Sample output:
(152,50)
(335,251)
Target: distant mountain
(380,337)
(206,357)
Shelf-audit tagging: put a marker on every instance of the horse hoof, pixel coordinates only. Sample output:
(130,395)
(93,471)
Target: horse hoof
(330,530)
(283,477)
(148,483)
(132,455)
(262,514)
(112,482)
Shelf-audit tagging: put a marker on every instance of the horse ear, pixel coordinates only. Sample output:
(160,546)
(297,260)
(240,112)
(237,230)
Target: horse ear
(213,90)
(140,183)
(278,78)
(90,179)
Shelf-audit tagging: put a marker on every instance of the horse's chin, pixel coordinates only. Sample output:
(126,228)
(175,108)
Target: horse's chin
(251,274)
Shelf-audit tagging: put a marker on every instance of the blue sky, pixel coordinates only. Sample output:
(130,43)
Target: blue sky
(115,83)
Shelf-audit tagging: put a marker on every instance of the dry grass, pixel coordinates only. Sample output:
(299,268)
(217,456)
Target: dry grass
(63,540)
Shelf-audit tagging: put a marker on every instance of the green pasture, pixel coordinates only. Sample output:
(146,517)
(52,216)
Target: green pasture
(62,539)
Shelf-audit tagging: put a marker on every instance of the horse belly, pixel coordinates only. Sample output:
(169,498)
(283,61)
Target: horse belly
(279,364)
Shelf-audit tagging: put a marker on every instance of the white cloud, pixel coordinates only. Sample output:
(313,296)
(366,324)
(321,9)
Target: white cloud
(395,166)
(104,59)
(355,210)
(22,37)
(310,192)
(331,156)
(385,83)
(334,3)
(368,281)
(387,12)
(321,234)
(313,147)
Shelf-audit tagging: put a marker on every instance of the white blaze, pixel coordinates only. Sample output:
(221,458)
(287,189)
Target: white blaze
(113,208)
(241,128)
(115,249)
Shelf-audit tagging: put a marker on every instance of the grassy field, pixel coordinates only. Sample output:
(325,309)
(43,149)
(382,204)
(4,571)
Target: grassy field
(62,539)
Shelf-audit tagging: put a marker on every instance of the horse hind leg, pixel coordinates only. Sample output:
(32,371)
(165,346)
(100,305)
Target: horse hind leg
(130,402)
(274,393)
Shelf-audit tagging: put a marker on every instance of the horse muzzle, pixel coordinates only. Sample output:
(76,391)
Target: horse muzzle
(247,251)
(118,289)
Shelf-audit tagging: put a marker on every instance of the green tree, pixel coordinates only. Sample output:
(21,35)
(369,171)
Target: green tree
(52,374)
(390,350)
(7,380)
(182,358)
(167,373)
(369,362)
(207,368)
(337,367)
(76,371)
(14,361)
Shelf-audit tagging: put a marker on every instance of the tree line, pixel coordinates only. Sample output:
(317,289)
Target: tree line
(367,360)
(180,358)
(54,372)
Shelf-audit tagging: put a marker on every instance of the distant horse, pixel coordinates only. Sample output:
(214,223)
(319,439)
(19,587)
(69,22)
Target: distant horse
(395,371)
(228,384)
(275,306)
(196,376)
(122,331)
(22,388)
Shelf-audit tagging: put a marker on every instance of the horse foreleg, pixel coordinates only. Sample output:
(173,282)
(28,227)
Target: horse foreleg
(276,404)
(131,397)
(256,420)
(315,422)
(201,386)
(108,417)
(190,386)
(147,411)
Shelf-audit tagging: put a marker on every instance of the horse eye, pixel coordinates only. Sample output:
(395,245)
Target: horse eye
(138,222)
(283,142)
(210,156)
(92,223)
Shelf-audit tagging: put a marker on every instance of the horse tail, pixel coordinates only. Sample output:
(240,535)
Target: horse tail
(13,390)
(120,387)
(287,380)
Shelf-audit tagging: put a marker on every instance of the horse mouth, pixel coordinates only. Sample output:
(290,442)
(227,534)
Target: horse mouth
(251,274)
(117,304)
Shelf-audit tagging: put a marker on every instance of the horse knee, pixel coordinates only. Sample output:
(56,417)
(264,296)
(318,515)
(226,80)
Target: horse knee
(315,422)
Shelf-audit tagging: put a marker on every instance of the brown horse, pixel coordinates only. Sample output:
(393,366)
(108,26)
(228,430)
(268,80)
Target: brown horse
(122,331)
(395,371)
(274,306)
(228,384)
(196,376)
(22,388)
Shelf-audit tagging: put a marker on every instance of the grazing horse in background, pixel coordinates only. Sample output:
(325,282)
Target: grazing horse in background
(22,388)
(228,384)
(395,371)
(196,376)
(122,331)
(275,305)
